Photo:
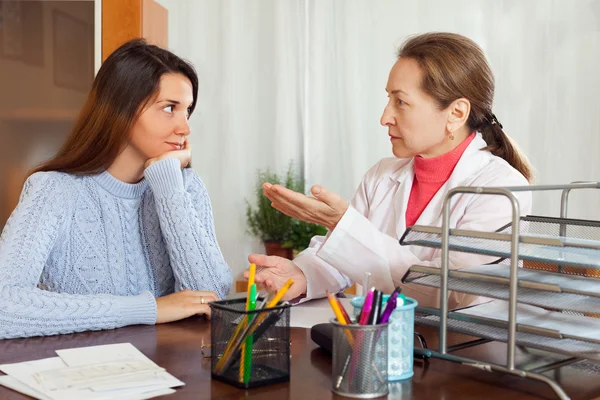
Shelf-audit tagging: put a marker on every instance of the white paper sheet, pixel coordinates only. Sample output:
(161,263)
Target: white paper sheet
(24,371)
(310,313)
(14,384)
(108,353)
(124,373)
(567,324)
(148,395)
(87,376)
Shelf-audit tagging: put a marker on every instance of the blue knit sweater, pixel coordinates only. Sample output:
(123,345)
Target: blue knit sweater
(91,252)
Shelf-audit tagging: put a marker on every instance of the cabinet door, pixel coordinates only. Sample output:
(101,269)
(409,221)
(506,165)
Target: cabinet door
(49,52)
(47,66)
(123,20)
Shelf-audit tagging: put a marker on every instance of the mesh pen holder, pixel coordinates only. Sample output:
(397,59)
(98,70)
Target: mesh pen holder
(401,337)
(360,360)
(268,359)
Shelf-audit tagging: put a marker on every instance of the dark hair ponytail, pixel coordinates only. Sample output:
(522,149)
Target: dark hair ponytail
(500,145)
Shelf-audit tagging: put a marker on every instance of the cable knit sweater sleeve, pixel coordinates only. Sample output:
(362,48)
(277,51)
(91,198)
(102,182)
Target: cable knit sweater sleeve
(25,246)
(186,221)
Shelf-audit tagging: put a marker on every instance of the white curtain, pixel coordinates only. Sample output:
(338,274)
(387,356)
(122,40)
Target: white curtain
(305,80)
(248,56)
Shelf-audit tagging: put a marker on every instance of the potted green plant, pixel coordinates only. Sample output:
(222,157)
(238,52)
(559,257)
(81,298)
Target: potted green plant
(269,225)
(301,234)
(282,235)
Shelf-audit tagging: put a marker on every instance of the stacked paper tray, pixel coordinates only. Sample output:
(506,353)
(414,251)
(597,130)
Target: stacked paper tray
(482,328)
(539,288)
(556,241)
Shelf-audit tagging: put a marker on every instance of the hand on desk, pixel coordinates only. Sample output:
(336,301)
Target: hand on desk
(274,272)
(184,304)
(326,208)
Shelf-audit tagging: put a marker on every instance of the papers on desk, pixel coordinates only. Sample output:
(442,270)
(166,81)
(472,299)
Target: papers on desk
(310,313)
(115,371)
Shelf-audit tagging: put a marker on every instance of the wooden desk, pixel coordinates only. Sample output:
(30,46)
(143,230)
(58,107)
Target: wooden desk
(176,347)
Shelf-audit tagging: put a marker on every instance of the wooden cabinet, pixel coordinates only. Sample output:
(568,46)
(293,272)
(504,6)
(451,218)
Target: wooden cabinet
(123,20)
(47,51)
(47,64)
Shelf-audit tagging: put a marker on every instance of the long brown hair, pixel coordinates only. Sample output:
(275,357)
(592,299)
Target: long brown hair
(127,80)
(455,67)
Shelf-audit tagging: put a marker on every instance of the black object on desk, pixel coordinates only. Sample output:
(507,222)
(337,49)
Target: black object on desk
(322,335)
(270,351)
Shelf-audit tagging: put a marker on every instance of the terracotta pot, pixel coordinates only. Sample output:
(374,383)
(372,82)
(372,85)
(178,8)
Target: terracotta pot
(275,249)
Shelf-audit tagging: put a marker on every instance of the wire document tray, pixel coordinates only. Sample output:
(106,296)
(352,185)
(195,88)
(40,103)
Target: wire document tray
(572,251)
(531,319)
(565,252)
(569,347)
(547,295)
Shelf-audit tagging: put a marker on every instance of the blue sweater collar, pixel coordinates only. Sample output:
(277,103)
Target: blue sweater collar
(119,188)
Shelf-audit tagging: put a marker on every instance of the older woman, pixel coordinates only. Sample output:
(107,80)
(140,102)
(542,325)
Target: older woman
(443,135)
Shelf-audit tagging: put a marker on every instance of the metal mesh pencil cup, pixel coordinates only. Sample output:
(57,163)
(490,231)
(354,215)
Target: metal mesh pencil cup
(360,360)
(401,337)
(270,350)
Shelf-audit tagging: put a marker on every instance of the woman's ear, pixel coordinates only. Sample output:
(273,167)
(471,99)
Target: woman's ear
(458,114)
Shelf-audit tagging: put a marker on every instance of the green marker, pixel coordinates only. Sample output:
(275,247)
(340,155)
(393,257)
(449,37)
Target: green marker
(250,338)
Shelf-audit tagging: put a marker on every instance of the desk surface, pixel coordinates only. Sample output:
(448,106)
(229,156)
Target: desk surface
(176,347)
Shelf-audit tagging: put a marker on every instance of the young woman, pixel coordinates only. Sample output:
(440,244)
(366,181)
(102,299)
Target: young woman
(443,135)
(115,230)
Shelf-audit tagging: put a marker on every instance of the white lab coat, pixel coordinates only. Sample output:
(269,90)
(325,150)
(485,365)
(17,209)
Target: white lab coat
(366,238)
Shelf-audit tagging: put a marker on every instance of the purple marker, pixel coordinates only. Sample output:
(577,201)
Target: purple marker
(389,308)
